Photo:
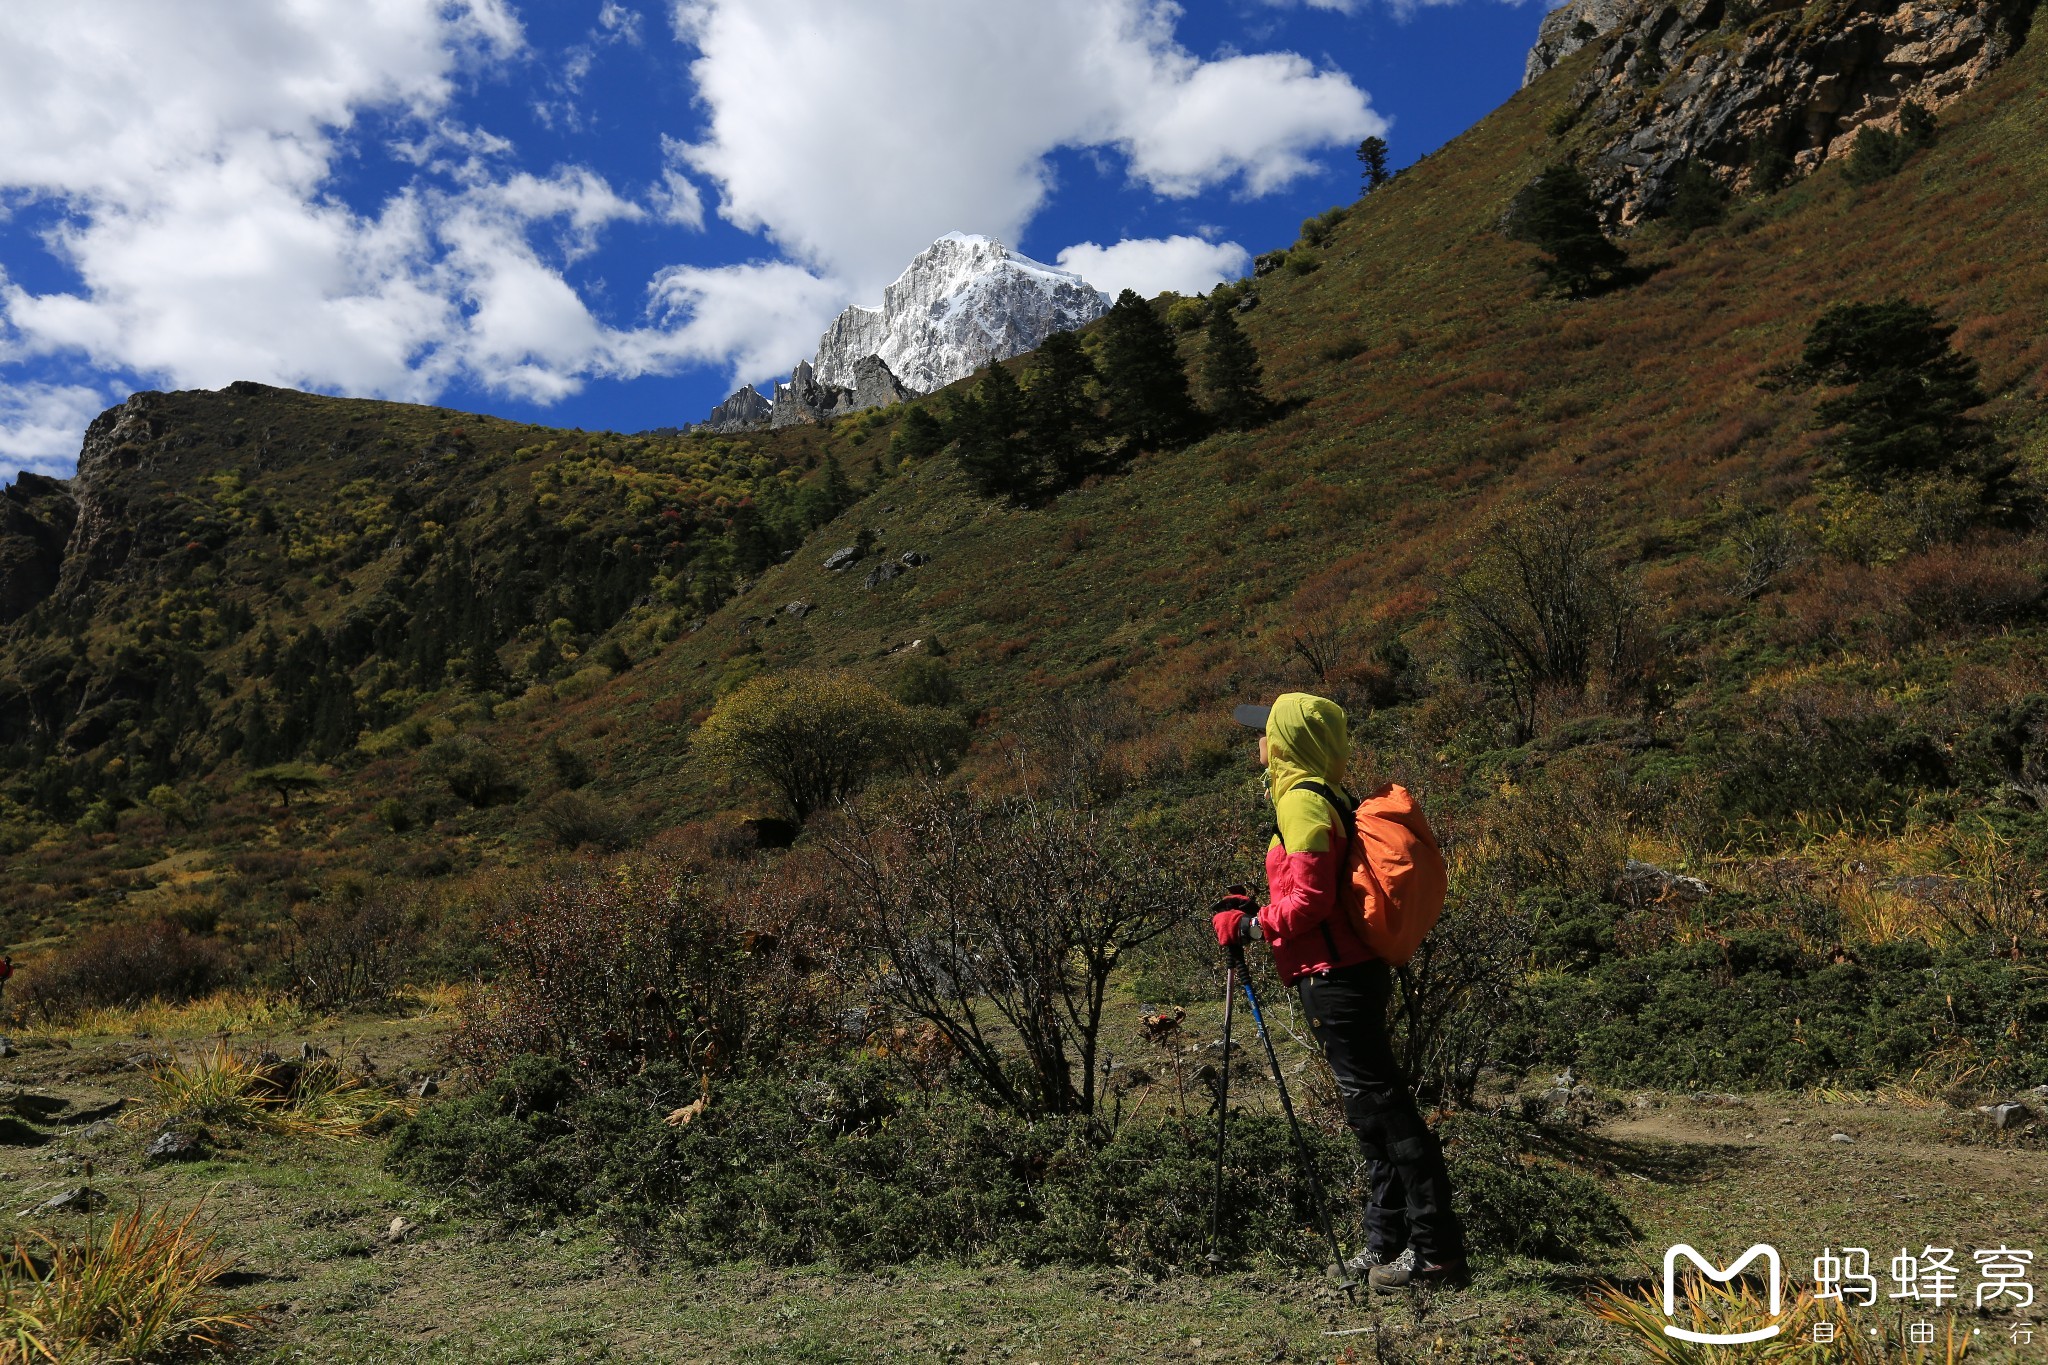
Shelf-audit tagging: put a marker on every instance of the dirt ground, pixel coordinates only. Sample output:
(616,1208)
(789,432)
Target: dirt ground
(312,1224)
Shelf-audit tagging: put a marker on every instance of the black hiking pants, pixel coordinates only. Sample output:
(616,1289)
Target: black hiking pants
(1410,1202)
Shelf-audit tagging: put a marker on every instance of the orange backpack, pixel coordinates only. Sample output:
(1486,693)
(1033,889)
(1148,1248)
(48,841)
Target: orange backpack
(1394,873)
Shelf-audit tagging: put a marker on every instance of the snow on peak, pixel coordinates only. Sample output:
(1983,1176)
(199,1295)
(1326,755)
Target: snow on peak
(964,301)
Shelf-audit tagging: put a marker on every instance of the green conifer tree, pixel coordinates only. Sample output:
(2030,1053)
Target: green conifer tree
(1060,422)
(1698,200)
(1231,372)
(1142,376)
(1372,155)
(1906,391)
(990,446)
(1770,165)
(1557,215)
(919,436)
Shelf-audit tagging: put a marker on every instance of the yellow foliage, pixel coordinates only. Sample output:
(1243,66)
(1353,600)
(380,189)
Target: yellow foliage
(816,738)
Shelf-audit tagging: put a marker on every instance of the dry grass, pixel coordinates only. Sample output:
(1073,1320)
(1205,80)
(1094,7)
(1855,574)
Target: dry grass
(140,1287)
(1861,1336)
(231,1089)
(232,1011)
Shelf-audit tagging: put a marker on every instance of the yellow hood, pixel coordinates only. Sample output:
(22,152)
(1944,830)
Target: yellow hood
(1308,738)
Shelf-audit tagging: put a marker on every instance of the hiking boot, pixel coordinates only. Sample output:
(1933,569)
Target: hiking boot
(1361,1265)
(1407,1269)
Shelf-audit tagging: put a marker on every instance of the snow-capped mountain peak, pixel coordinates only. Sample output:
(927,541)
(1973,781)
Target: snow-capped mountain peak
(964,301)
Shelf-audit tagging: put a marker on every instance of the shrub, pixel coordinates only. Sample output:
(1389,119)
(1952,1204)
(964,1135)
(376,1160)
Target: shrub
(472,769)
(124,964)
(609,967)
(838,1161)
(573,819)
(570,766)
(1750,1009)
(351,951)
(1006,921)
(1544,610)
(925,681)
(815,739)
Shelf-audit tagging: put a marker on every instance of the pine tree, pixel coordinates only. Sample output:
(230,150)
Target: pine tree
(1770,165)
(1060,422)
(1557,215)
(991,450)
(1142,376)
(1372,154)
(1908,390)
(1231,372)
(919,436)
(1698,200)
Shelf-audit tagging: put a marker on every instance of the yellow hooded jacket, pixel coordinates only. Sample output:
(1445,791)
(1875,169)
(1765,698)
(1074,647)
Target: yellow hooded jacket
(1308,739)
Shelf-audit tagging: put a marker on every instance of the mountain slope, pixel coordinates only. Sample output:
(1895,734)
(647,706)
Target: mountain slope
(1426,387)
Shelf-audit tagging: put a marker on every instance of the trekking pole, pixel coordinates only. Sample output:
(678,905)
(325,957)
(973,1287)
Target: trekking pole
(1223,1108)
(1308,1161)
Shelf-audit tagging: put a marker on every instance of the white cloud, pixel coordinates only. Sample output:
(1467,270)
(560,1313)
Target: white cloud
(187,155)
(677,199)
(760,317)
(620,25)
(41,426)
(1153,265)
(854,134)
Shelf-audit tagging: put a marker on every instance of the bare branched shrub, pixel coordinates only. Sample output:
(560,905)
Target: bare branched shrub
(349,951)
(1069,745)
(1767,547)
(1461,985)
(1001,924)
(1545,612)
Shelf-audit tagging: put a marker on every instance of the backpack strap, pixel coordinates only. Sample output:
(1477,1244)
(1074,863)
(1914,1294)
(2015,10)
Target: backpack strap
(1349,816)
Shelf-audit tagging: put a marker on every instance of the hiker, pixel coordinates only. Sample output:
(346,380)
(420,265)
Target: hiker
(1412,1235)
(6,970)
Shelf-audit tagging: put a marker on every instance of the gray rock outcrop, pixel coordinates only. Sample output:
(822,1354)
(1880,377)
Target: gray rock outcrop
(1678,82)
(874,386)
(746,410)
(1567,29)
(804,399)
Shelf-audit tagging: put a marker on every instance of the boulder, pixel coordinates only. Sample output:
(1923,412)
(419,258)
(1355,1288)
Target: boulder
(843,558)
(84,1199)
(882,573)
(175,1145)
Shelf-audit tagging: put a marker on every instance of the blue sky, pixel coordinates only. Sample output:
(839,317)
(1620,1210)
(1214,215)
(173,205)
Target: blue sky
(606,213)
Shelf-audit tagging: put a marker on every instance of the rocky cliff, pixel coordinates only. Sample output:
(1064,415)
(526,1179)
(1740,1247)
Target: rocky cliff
(36,517)
(963,302)
(746,410)
(1713,80)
